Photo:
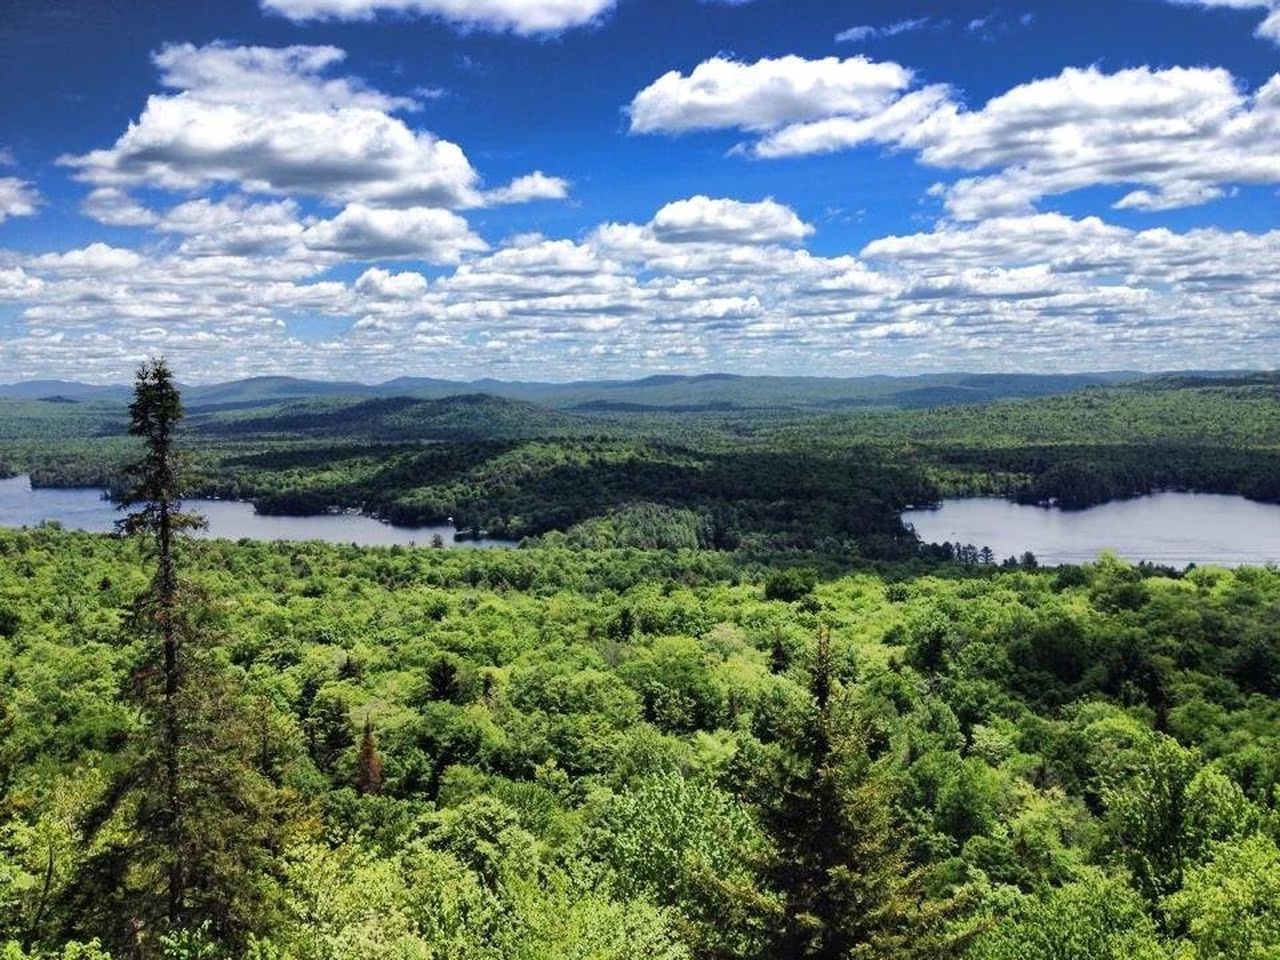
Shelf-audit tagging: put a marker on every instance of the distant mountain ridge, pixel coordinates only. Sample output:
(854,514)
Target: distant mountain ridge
(659,392)
(63,390)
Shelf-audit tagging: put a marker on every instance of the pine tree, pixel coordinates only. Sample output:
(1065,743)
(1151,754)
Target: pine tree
(779,654)
(840,862)
(156,492)
(184,838)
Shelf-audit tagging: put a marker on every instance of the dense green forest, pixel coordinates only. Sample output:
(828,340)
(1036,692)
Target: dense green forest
(569,752)
(634,737)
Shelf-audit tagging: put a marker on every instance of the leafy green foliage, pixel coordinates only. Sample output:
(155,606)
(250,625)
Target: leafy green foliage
(1091,919)
(1229,906)
(626,748)
(1169,811)
(688,844)
(790,585)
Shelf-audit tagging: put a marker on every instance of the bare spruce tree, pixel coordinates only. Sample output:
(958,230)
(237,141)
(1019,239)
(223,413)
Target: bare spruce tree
(368,763)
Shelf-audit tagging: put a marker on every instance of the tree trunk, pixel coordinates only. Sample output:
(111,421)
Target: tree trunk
(171,735)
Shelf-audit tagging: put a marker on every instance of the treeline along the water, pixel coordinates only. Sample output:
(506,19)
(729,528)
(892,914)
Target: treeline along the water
(770,478)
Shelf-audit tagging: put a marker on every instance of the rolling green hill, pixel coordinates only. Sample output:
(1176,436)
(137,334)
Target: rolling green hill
(464,417)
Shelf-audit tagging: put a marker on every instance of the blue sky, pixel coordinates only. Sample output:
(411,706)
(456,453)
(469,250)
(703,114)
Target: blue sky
(569,189)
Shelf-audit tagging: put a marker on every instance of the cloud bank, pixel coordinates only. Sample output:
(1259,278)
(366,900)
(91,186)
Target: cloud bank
(295,219)
(707,283)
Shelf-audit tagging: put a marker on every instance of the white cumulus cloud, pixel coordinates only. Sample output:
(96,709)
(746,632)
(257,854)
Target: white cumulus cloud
(288,77)
(721,93)
(832,134)
(17,284)
(379,284)
(702,219)
(420,233)
(531,186)
(97,258)
(704,284)
(1181,135)
(1178,136)
(116,208)
(517,16)
(233,226)
(17,198)
(270,121)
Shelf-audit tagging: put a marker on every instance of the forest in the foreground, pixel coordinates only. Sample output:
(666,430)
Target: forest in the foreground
(593,747)
(545,753)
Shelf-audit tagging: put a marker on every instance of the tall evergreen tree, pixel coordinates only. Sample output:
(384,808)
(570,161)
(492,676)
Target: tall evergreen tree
(156,492)
(183,839)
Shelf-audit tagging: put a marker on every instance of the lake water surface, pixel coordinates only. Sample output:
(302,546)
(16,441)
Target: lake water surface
(84,509)
(1166,528)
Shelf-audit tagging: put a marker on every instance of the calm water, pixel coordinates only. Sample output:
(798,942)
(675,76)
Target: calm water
(20,506)
(1168,528)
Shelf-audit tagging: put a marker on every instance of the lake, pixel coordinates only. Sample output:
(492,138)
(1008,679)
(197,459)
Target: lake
(84,509)
(1165,528)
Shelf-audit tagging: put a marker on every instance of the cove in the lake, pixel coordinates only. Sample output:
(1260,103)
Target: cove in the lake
(1174,529)
(84,509)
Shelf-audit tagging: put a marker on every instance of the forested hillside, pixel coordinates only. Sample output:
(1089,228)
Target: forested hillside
(792,475)
(716,391)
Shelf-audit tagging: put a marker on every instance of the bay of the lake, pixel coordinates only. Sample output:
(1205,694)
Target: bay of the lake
(1166,528)
(85,509)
